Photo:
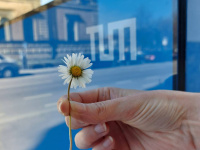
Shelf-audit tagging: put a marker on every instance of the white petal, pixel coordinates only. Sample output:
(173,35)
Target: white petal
(80,61)
(74,83)
(88,72)
(74,57)
(81,82)
(65,76)
(76,60)
(67,62)
(87,63)
(61,66)
(67,80)
(62,69)
(86,78)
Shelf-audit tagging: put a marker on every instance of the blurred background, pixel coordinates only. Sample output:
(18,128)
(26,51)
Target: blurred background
(132,44)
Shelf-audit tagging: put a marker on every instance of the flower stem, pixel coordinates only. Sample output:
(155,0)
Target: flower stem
(70,127)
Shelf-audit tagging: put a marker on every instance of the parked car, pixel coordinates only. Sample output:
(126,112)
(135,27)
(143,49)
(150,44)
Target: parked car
(8,67)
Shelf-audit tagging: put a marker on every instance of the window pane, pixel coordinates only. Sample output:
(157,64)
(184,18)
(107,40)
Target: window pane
(193,47)
(129,42)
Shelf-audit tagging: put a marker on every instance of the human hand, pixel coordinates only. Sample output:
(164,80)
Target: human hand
(120,119)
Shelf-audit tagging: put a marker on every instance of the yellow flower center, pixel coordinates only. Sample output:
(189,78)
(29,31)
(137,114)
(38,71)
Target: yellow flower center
(76,71)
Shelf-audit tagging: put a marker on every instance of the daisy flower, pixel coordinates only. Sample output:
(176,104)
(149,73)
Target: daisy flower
(75,73)
(76,69)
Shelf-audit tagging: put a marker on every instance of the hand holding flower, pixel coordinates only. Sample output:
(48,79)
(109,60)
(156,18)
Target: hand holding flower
(121,119)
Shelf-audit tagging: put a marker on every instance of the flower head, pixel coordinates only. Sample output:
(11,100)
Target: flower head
(76,70)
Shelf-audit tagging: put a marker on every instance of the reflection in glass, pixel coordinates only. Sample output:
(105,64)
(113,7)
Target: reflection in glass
(192,47)
(10,9)
(129,42)
(142,35)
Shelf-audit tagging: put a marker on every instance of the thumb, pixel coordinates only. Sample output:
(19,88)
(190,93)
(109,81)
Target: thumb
(99,112)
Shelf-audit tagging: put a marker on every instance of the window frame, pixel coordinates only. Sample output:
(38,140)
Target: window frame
(179,80)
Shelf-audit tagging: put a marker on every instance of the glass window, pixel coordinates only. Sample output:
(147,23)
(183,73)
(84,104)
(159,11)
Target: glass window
(193,47)
(1,57)
(129,42)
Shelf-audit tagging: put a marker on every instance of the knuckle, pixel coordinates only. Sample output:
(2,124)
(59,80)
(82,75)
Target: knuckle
(107,92)
(107,89)
(84,108)
(101,110)
(103,93)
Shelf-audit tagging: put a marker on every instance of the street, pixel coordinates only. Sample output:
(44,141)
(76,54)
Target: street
(29,119)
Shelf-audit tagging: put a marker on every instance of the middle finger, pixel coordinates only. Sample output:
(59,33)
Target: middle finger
(91,135)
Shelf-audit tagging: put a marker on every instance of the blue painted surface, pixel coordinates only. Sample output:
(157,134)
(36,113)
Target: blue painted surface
(56,139)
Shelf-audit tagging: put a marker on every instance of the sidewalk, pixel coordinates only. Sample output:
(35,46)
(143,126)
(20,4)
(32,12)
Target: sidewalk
(38,71)
(55,69)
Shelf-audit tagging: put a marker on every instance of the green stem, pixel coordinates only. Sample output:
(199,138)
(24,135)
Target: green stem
(70,127)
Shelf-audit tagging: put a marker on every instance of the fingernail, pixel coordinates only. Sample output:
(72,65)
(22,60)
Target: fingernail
(100,128)
(59,107)
(108,142)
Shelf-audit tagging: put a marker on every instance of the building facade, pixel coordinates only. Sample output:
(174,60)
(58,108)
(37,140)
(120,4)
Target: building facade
(44,37)
(14,8)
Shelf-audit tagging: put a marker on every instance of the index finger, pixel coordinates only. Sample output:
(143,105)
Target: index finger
(100,94)
(91,96)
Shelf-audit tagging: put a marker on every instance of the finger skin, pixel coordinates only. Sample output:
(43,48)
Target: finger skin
(148,111)
(106,144)
(156,111)
(75,124)
(99,112)
(90,135)
(92,96)
(100,94)
(103,111)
